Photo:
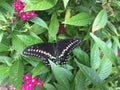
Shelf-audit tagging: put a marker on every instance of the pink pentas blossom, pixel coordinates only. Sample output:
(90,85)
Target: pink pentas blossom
(23,87)
(12,88)
(39,83)
(28,86)
(19,10)
(34,80)
(23,4)
(26,77)
(31,86)
(32,14)
(24,16)
(29,83)
(18,5)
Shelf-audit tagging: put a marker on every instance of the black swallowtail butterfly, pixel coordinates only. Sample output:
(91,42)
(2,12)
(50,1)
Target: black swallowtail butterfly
(58,52)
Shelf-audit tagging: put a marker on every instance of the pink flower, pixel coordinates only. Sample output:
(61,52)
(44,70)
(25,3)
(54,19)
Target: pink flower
(24,16)
(30,82)
(23,4)
(28,86)
(19,8)
(23,87)
(18,5)
(61,30)
(32,14)
(27,77)
(39,83)
(12,88)
(33,81)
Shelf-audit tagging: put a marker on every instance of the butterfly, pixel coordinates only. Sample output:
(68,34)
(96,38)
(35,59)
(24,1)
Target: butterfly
(58,52)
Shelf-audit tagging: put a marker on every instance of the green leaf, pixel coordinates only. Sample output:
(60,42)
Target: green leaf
(40,4)
(79,81)
(109,43)
(100,21)
(3,47)
(59,87)
(105,68)
(116,39)
(5,59)
(29,39)
(39,21)
(2,18)
(49,77)
(40,69)
(68,13)
(95,57)
(4,72)
(7,7)
(81,55)
(65,2)
(63,76)
(90,74)
(48,86)
(31,60)
(108,52)
(68,67)
(1,35)
(27,1)
(16,74)
(53,28)
(37,29)
(112,28)
(81,19)
(17,44)
(71,31)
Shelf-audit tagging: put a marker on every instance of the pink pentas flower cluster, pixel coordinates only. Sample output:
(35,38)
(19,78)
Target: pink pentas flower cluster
(29,83)
(19,9)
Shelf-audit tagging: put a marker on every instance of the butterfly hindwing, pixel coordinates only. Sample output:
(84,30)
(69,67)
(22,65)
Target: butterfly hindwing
(65,47)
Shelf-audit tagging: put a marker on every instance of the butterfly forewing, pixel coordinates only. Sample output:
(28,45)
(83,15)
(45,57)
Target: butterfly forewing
(41,50)
(65,47)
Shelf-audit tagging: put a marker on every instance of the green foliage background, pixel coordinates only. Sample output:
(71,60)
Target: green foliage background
(94,65)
